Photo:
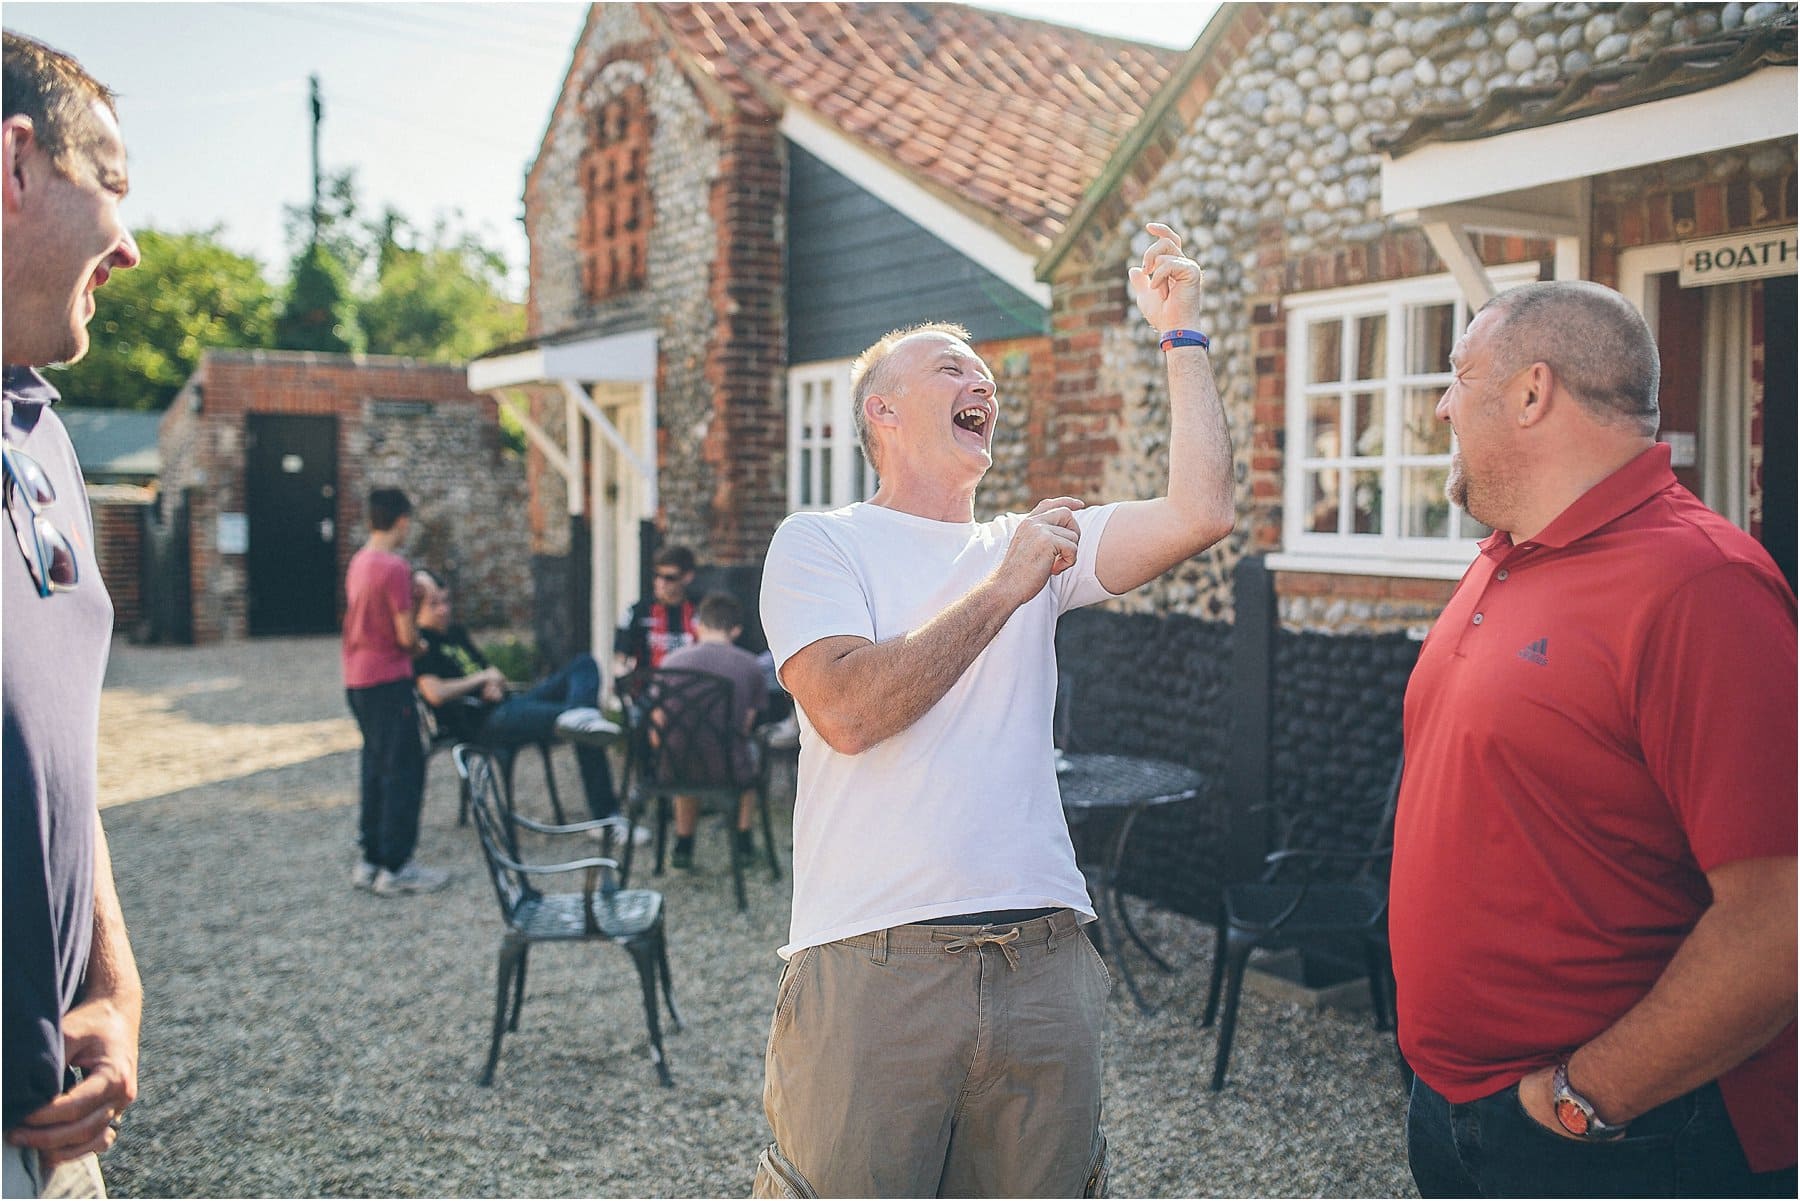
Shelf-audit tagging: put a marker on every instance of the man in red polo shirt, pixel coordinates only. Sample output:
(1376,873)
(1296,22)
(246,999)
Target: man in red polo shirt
(1593,915)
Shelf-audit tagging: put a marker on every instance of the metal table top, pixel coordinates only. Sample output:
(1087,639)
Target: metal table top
(1094,782)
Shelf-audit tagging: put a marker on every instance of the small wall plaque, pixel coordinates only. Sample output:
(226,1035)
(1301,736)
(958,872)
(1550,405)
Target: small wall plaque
(234,533)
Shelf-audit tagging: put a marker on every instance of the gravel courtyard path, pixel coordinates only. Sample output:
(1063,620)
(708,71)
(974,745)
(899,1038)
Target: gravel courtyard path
(303,1039)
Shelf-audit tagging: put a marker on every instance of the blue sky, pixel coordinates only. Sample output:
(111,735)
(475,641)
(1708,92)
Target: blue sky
(438,106)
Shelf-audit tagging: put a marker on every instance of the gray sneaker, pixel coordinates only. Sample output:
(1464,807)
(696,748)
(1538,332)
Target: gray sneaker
(410,879)
(363,876)
(585,722)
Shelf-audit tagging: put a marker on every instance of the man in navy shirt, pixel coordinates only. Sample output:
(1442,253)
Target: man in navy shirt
(72,999)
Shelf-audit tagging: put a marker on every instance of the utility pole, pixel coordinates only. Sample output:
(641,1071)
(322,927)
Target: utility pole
(318,117)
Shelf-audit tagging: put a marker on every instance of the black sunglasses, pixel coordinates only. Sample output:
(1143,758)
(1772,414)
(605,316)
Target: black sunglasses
(49,555)
(668,577)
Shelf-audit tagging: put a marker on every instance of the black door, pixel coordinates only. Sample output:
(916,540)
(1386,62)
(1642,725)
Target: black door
(1779,434)
(291,495)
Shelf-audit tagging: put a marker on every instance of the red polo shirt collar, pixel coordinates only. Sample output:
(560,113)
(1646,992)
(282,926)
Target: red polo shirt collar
(1601,505)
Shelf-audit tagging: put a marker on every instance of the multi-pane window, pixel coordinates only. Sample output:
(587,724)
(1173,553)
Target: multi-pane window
(826,468)
(1367,458)
(615,224)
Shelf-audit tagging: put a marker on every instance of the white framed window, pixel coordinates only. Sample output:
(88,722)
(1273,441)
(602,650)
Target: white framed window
(1366,456)
(826,468)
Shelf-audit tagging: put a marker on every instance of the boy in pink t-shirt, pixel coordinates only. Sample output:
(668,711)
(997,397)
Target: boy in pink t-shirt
(379,643)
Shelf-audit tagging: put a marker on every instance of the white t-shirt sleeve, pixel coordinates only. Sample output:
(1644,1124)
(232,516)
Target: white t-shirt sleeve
(810,590)
(1079,586)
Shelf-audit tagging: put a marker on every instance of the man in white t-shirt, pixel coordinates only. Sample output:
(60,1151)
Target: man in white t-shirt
(937,1024)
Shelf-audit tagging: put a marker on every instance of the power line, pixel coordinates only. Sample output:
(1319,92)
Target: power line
(409,25)
(360,19)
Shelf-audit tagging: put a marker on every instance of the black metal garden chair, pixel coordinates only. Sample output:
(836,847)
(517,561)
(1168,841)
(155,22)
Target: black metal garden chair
(683,743)
(1306,897)
(434,739)
(601,912)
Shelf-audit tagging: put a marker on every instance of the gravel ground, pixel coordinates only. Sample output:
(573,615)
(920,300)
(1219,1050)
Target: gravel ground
(303,1039)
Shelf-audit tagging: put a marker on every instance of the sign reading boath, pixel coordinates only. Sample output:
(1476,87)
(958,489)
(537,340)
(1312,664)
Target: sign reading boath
(1735,257)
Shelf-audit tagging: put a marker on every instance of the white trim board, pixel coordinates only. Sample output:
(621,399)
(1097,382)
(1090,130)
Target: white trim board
(624,358)
(1756,108)
(974,241)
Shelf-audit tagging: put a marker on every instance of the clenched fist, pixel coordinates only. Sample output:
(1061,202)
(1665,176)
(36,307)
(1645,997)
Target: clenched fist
(1044,545)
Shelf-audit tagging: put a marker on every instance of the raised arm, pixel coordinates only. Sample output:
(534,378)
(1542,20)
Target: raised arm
(1147,537)
(859,693)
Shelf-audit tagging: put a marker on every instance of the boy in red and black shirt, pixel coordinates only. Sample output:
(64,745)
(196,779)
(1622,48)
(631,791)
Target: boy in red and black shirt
(662,622)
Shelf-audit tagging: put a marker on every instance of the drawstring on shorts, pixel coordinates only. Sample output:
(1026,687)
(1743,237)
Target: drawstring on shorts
(957,943)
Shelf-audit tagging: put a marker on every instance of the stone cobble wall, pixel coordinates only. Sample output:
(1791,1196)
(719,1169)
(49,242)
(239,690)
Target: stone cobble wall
(712,292)
(1268,164)
(1345,693)
(441,444)
(1158,686)
(469,503)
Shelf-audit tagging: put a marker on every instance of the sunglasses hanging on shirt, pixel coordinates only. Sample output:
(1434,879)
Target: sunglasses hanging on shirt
(49,555)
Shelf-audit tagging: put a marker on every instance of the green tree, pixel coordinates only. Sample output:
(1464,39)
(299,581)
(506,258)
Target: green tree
(320,310)
(191,293)
(439,301)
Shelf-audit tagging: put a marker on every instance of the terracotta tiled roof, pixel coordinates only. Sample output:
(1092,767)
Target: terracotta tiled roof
(1672,71)
(1010,117)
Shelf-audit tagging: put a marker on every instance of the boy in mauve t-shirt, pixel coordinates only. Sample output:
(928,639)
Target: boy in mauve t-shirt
(380,640)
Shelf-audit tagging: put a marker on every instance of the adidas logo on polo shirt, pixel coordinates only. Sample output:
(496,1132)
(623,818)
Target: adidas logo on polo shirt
(1538,652)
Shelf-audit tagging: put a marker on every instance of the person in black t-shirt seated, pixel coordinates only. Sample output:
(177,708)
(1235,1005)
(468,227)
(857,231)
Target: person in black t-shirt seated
(664,621)
(469,695)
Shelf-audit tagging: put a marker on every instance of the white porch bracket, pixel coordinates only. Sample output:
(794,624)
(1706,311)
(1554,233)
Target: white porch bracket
(1564,219)
(509,400)
(1453,246)
(579,400)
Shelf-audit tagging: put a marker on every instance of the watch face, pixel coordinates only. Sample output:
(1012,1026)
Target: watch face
(1573,1118)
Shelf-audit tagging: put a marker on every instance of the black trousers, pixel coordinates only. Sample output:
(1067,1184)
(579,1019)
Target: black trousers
(1493,1148)
(393,771)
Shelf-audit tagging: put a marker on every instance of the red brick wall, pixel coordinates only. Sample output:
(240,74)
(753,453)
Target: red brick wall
(118,545)
(1079,421)
(1670,202)
(746,443)
(206,452)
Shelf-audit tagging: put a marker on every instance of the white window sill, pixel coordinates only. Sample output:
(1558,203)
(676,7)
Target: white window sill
(1412,569)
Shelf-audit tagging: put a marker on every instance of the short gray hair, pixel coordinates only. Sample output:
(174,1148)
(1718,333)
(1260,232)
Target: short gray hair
(1599,346)
(868,373)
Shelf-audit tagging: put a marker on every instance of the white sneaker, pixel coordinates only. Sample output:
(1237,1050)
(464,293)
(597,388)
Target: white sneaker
(784,735)
(363,875)
(590,722)
(410,879)
(607,835)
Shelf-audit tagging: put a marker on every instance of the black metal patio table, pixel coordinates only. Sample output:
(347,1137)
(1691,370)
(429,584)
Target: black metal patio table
(1122,786)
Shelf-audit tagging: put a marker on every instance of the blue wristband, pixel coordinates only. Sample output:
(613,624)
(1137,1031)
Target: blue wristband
(1185,337)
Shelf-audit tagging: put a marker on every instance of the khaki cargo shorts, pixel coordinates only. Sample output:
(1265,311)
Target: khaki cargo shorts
(939,1061)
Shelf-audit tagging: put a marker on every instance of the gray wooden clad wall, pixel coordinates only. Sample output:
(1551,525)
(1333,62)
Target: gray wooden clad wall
(857,268)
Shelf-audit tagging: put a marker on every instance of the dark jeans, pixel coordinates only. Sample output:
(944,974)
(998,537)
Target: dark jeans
(393,771)
(531,717)
(1493,1148)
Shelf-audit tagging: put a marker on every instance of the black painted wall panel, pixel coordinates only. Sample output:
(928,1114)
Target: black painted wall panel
(1163,686)
(857,268)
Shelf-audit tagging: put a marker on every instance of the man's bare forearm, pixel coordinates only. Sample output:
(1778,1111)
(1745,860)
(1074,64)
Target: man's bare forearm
(858,694)
(112,971)
(1729,989)
(1147,537)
